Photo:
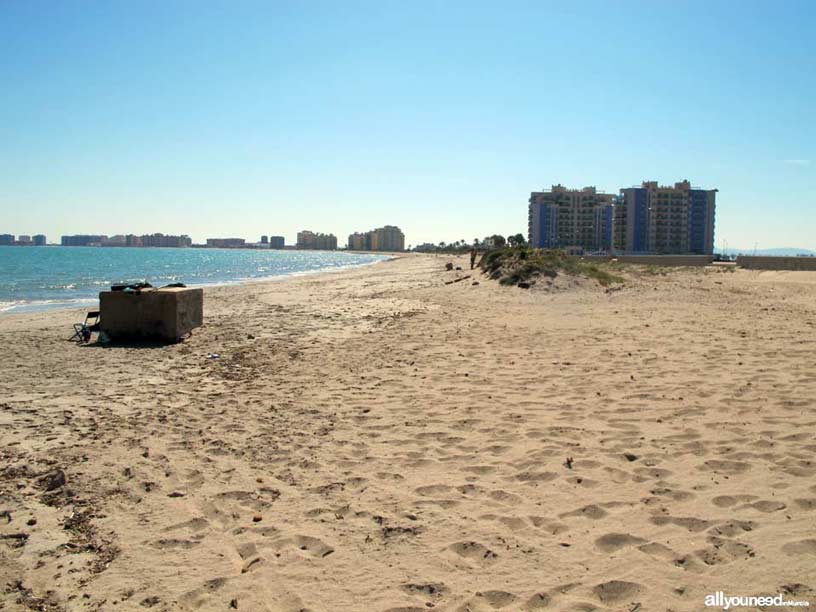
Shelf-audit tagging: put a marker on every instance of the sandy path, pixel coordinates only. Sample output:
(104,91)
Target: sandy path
(378,440)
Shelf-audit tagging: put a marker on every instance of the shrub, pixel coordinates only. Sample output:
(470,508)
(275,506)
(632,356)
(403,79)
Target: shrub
(514,265)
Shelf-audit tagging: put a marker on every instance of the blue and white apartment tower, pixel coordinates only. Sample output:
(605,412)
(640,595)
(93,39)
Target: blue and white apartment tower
(661,219)
(571,219)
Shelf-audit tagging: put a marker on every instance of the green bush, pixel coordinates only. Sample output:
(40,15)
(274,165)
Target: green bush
(512,265)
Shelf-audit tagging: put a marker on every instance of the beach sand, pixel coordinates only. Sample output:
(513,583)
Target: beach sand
(376,439)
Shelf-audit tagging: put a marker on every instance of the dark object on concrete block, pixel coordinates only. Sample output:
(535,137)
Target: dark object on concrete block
(167,314)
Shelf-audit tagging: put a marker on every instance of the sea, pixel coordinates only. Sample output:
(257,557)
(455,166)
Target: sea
(51,277)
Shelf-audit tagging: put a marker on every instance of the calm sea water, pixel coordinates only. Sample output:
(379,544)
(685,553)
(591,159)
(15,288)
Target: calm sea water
(34,278)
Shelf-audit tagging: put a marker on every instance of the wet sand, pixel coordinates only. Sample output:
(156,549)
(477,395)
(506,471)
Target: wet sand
(377,439)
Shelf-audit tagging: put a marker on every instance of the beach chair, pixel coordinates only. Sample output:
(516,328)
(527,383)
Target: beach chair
(83,331)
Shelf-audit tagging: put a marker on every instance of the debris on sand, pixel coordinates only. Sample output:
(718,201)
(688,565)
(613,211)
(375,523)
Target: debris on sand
(52,480)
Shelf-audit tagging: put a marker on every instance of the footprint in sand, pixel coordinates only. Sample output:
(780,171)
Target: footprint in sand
(612,542)
(647,473)
(661,551)
(539,601)
(513,523)
(473,551)
(505,497)
(806,504)
(479,469)
(723,466)
(802,547)
(532,478)
(389,476)
(175,544)
(618,476)
(496,599)
(314,546)
(724,551)
(194,524)
(733,528)
(691,524)
(591,511)
(726,501)
(549,525)
(768,506)
(433,589)
(616,591)
(433,490)
(247,550)
(583,482)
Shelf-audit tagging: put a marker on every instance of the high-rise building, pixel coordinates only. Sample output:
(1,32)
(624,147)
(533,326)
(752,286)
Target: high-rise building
(118,240)
(387,238)
(316,241)
(226,243)
(358,241)
(24,240)
(277,242)
(40,240)
(264,239)
(160,240)
(661,219)
(571,219)
(83,240)
(6,239)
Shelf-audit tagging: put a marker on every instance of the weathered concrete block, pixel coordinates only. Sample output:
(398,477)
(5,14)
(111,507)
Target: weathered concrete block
(165,314)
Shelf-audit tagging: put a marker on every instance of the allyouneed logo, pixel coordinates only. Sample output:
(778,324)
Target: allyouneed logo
(721,600)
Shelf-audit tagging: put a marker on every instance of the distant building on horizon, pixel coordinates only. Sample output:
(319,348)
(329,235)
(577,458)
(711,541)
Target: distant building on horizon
(40,240)
(83,240)
(277,242)
(570,219)
(386,238)
(226,243)
(160,240)
(264,239)
(119,240)
(6,239)
(129,240)
(316,241)
(652,218)
(662,219)
(358,241)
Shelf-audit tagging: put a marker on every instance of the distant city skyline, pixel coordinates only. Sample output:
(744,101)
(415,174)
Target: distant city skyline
(242,119)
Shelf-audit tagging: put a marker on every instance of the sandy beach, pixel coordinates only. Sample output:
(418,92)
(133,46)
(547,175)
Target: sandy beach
(377,439)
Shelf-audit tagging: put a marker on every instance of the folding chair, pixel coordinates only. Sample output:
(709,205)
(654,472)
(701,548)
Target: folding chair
(83,331)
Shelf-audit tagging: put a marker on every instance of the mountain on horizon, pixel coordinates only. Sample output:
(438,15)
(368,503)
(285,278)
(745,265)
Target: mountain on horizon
(779,252)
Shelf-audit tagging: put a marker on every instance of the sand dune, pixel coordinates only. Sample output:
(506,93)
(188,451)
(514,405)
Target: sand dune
(379,440)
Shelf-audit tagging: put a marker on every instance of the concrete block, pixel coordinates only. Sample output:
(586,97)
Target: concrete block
(161,314)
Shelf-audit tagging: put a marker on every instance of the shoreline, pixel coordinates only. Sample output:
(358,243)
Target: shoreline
(81,303)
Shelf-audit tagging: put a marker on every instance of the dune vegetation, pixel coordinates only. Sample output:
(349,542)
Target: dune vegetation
(522,266)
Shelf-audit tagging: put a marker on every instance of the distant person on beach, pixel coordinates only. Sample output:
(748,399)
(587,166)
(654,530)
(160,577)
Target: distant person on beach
(472,257)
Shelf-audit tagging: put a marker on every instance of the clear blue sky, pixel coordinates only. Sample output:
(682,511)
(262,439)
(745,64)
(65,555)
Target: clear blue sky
(243,118)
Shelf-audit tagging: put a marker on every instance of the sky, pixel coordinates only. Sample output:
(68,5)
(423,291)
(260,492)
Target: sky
(242,118)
